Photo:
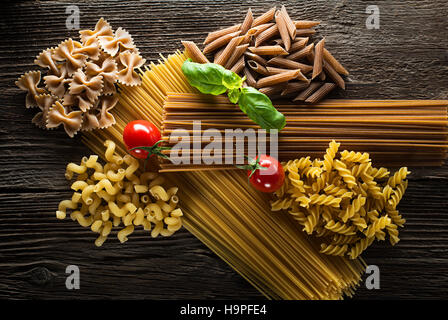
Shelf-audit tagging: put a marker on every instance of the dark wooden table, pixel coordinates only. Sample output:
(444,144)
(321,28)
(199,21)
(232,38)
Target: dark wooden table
(406,58)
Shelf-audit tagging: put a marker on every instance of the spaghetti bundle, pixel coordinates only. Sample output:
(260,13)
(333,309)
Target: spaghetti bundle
(232,220)
(393,132)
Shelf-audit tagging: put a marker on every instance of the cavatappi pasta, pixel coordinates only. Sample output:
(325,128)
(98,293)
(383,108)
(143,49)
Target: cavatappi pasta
(118,195)
(234,221)
(343,200)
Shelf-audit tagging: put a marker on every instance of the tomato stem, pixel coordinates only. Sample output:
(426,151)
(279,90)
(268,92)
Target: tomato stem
(153,150)
(252,165)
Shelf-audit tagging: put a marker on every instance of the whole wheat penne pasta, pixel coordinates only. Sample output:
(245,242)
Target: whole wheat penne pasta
(266,35)
(219,33)
(290,25)
(258,68)
(194,52)
(303,95)
(273,70)
(250,79)
(298,44)
(255,57)
(310,57)
(304,32)
(289,64)
(277,78)
(304,24)
(236,54)
(217,54)
(264,18)
(333,74)
(238,66)
(255,31)
(275,89)
(323,76)
(276,42)
(300,76)
(268,51)
(301,53)
(220,42)
(294,87)
(225,55)
(318,58)
(334,63)
(283,29)
(321,93)
(247,38)
(247,23)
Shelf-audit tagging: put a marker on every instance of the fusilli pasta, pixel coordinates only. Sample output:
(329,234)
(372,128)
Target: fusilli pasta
(345,201)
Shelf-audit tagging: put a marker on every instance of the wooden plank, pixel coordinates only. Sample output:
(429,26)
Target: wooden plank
(405,59)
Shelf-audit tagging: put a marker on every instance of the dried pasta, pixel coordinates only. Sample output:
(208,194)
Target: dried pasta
(81,79)
(102,200)
(228,217)
(344,204)
(288,44)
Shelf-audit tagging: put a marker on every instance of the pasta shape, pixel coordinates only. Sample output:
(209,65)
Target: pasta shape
(44,102)
(111,44)
(107,68)
(45,60)
(71,121)
(29,82)
(84,90)
(130,61)
(66,52)
(102,28)
(89,48)
(333,250)
(57,83)
(89,121)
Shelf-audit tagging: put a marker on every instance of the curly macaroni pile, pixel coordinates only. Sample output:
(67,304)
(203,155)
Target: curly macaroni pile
(113,195)
(346,201)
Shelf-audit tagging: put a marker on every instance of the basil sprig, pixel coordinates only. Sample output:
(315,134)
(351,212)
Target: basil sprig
(211,78)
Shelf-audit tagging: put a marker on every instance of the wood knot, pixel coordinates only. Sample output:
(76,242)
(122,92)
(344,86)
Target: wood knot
(41,276)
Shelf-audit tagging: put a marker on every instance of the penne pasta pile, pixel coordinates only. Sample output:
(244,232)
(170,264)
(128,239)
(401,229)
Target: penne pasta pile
(276,55)
(116,195)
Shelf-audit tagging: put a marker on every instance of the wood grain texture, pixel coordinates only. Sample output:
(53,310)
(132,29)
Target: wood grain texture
(406,58)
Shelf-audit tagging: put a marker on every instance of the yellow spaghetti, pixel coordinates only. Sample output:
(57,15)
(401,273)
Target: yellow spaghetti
(233,220)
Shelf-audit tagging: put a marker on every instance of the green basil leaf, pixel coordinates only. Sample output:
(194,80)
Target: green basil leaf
(258,107)
(234,95)
(207,78)
(231,80)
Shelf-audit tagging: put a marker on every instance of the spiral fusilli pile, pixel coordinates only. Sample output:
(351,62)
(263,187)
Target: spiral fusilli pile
(343,201)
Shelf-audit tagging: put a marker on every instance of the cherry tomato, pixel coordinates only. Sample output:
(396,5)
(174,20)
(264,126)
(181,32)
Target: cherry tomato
(269,179)
(140,133)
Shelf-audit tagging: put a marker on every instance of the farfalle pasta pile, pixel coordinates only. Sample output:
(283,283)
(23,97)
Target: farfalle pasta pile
(79,88)
(113,195)
(344,200)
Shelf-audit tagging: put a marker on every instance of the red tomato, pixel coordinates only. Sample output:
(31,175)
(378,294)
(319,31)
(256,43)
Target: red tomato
(269,179)
(140,133)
